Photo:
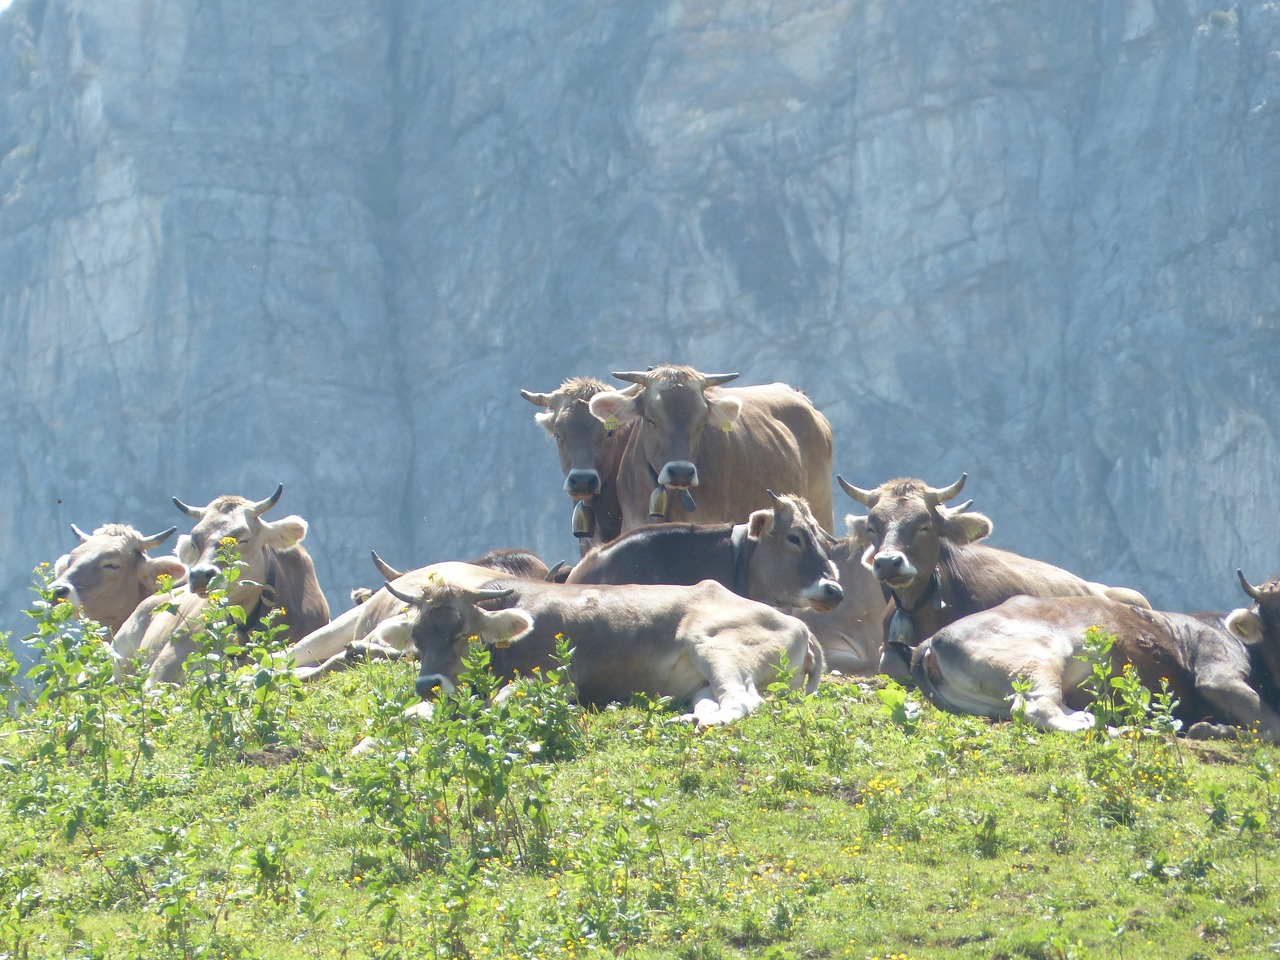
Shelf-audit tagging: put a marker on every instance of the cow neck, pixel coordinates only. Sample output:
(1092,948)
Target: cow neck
(266,596)
(935,584)
(743,548)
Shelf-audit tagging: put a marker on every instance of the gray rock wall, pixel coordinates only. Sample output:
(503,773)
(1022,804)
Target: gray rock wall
(326,243)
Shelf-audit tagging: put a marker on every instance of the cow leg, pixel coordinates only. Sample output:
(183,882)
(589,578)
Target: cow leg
(1046,709)
(331,639)
(712,707)
(1238,703)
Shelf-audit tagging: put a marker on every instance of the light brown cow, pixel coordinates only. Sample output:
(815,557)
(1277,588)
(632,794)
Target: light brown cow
(702,645)
(936,571)
(730,446)
(278,572)
(589,456)
(109,573)
(1222,669)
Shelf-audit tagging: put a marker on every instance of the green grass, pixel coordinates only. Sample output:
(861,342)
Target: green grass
(221,821)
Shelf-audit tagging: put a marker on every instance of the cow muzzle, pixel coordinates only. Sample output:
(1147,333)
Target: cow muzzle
(428,683)
(825,595)
(893,568)
(63,590)
(678,475)
(200,577)
(582,484)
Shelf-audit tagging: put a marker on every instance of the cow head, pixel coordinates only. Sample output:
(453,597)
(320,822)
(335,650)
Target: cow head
(445,620)
(1260,624)
(588,450)
(905,527)
(241,520)
(671,408)
(790,566)
(109,573)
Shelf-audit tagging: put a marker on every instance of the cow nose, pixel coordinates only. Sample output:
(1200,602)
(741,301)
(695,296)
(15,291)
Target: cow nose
(199,578)
(887,564)
(581,483)
(427,684)
(678,473)
(832,592)
(61,590)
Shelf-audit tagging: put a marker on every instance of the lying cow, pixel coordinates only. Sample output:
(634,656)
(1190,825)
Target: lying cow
(589,456)
(109,573)
(277,572)
(729,445)
(780,556)
(1223,669)
(929,560)
(702,644)
(378,628)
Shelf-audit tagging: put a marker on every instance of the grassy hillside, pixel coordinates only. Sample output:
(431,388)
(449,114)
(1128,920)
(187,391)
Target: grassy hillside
(227,819)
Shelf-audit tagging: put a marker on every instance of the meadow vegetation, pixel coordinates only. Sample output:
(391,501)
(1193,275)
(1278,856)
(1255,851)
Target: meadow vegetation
(226,819)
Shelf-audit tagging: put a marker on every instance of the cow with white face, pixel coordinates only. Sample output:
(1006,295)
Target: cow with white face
(109,573)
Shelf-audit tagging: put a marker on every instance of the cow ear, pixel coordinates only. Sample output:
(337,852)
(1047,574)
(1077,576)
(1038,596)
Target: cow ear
(164,565)
(1245,624)
(723,412)
(857,529)
(760,524)
(546,420)
(185,550)
(61,566)
(965,527)
(617,405)
(284,533)
(504,626)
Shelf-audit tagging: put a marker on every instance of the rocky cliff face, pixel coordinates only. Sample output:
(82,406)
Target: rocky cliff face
(325,243)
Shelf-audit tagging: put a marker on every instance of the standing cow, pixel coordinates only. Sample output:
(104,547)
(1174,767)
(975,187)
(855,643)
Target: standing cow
(1222,669)
(589,456)
(109,573)
(729,446)
(929,559)
(277,572)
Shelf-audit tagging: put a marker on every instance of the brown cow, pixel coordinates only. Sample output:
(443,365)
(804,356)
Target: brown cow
(936,572)
(701,645)
(589,457)
(109,573)
(729,445)
(277,572)
(1223,669)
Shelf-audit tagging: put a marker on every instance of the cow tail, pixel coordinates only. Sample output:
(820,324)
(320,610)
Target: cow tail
(815,665)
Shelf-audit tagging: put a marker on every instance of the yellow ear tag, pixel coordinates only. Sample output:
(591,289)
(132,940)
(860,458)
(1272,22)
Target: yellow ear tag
(502,644)
(611,422)
(727,427)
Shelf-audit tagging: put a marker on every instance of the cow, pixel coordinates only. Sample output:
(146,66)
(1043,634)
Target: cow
(109,573)
(589,456)
(377,627)
(729,445)
(1222,669)
(277,572)
(929,560)
(701,644)
(780,556)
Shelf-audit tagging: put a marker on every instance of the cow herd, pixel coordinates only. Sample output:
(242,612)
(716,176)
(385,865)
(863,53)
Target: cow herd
(709,569)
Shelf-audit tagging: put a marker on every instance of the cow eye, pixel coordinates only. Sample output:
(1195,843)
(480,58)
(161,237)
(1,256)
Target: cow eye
(923,529)
(110,565)
(793,538)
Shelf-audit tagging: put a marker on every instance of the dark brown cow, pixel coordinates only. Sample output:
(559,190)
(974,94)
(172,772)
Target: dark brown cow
(778,557)
(936,572)
(1223,670)
(589,456)
(701,645)
(109,573)
(727,447)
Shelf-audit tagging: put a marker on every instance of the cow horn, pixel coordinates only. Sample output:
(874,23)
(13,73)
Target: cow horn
(1253,592)
(479,596)
(772,496)
(262,506)
(942,496)
(868,497)
(159,538)
(196,513)
(554,572)
(82,535)
(537,399)
(384,568)
(633,376)
(402,597)
(715,379)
